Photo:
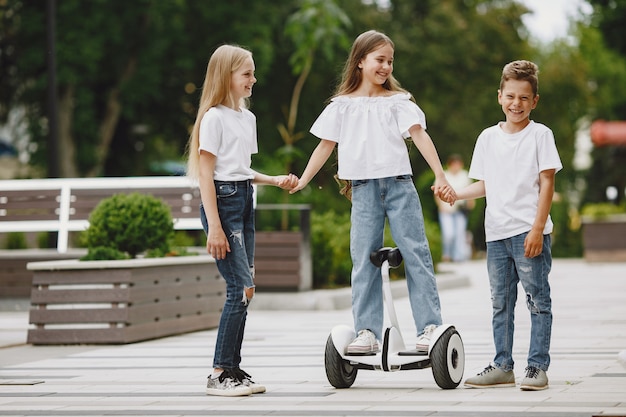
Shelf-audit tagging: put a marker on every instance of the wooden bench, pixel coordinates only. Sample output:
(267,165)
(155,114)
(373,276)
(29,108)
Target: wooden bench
(63,206)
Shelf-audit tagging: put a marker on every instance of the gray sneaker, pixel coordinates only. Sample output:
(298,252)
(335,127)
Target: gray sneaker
(535,380)
(226,385)
(246,380)
(491,377)
(364,344)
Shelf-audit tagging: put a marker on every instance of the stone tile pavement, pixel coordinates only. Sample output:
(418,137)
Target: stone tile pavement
(284,347)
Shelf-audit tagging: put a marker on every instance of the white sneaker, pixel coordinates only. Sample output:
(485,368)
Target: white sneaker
(423,340)
(225,385)
(364,344)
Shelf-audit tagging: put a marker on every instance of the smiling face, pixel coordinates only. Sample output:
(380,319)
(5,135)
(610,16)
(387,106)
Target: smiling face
(377,66)
(517,100)
(242,80)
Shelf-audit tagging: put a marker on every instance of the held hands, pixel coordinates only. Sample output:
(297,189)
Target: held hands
(300,184)
(444,191)
(286,182)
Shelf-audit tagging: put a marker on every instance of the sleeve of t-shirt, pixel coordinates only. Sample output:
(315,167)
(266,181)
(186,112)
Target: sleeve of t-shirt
(328,123)
(254,145)
(548,153)
(409,114)
(476,170)
(210,132)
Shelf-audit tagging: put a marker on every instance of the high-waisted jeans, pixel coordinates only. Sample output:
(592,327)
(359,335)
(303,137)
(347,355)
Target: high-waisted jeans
(236,211)
(396,199)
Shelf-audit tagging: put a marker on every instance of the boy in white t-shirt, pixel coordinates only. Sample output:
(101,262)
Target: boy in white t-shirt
(514,163)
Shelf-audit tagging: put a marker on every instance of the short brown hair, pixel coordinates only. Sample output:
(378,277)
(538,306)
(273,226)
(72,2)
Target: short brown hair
(521,70)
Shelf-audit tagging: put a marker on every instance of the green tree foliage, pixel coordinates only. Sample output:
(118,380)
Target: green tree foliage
(603,45)
(130,76)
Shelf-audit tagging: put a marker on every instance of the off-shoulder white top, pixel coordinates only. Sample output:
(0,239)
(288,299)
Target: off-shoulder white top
(370,133)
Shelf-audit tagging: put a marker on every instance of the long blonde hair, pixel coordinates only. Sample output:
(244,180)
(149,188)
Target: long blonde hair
(352,76)
(216,90)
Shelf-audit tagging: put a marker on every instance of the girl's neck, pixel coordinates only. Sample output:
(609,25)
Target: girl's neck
(370,90)
(231,103)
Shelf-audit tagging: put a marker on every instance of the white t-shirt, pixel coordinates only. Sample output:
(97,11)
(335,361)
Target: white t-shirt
(510,165)
(370,133)
(231,136)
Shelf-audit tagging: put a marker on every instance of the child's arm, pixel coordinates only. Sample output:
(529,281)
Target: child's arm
(217,243)
(286,182)
(471,192)
(425,145)
(533,245)
(318,158)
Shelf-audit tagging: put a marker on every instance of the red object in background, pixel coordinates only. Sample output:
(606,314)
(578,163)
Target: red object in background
(605,133)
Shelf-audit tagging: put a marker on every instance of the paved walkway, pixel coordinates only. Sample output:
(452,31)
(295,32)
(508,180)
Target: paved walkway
(284,349)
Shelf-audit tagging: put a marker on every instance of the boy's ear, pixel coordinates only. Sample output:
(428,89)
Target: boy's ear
(535,101)
(499,96)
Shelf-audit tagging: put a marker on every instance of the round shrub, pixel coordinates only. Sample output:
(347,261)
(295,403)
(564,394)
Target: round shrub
(130,223)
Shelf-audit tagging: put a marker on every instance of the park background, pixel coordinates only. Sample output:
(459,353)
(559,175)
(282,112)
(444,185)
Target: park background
(110,88)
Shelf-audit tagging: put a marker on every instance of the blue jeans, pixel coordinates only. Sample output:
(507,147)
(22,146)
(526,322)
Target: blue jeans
(453,235)
(507,266)
(236,211)
(396,199)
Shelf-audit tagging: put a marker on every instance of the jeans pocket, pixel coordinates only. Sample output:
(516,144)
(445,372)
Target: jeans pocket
(404,178)
(224,190)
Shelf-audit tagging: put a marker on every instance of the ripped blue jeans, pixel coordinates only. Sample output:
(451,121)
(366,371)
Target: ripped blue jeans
(507,266)
(236,211)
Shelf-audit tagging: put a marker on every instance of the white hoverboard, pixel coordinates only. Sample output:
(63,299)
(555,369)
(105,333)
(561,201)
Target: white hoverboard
(445,356)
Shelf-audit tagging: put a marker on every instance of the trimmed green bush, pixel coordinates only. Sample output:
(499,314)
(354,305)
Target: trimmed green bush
(128,224)
(600,211)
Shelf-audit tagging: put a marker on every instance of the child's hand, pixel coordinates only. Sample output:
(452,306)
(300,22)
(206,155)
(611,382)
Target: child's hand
(300,185)
(286,182)
(217,244)
(444,192)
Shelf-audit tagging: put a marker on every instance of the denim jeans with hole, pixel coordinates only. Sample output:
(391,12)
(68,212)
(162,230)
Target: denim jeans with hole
(236,211)
(396,199)
(507,266)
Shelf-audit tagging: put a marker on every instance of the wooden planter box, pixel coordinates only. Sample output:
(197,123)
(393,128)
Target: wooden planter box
(604,240)
(15,279)
(115,302)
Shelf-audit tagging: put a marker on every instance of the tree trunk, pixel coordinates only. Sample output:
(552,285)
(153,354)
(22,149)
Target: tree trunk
(67,150)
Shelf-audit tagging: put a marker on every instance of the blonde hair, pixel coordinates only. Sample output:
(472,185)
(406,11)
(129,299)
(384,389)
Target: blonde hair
(352,76)
(522,71)
(216,90)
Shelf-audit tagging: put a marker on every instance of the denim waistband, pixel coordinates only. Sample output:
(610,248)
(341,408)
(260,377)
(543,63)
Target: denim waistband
(238,183)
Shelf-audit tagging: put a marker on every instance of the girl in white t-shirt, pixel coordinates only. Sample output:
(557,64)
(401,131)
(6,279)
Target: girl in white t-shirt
(369,119)
(219,157)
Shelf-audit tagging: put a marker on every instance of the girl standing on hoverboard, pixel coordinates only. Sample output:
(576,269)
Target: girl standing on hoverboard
(369,118)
